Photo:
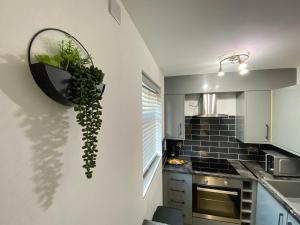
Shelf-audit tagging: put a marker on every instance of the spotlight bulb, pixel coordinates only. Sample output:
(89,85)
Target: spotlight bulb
(221,73)
(244,71)
(243,66)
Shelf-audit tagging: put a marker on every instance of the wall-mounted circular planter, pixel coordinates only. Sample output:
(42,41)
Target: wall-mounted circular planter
(55,82)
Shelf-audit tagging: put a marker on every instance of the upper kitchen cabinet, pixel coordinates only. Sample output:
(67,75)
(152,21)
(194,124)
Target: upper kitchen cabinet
(174,117)
(253,110)
(286,118)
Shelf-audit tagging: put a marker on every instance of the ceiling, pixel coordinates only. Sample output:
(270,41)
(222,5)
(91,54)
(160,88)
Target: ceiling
(187,36)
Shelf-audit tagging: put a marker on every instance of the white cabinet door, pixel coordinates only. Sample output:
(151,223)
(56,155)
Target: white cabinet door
(253,116)
(269,211)
(286,118)
(291,220)
(174,117)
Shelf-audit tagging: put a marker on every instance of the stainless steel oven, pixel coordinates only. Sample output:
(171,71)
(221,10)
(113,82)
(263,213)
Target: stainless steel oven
(217,199)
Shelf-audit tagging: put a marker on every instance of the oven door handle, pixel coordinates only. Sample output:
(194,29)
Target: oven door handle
(217,191)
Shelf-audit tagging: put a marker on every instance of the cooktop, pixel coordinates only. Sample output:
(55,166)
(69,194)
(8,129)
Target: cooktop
(213,165)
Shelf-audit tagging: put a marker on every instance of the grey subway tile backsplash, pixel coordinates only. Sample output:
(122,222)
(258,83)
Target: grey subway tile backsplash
(215,137)
(198,148)
(229,144)
(218,138)
(217,149)
(228,156)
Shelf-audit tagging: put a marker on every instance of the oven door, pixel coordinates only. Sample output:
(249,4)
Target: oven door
(215,203)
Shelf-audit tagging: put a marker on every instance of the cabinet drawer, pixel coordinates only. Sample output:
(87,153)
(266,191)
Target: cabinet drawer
(178,181)
(178,190)
(179,197)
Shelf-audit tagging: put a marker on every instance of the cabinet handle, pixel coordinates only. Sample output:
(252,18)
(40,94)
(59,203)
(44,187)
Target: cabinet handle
(177,180)
(182,203)
(180,130)
(279,219)
(267,126)
(171,189)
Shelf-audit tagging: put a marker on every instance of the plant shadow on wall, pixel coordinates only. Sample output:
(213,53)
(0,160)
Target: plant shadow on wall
(44,122)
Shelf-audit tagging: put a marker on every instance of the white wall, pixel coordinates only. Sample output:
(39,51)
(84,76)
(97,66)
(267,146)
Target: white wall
(42,181)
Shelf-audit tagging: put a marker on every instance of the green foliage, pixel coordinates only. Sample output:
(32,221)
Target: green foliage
(46,59)
(85,95)
(88,108)
(67,55)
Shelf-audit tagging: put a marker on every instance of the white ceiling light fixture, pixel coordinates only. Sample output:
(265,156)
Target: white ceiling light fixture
(221,72)
(235,57)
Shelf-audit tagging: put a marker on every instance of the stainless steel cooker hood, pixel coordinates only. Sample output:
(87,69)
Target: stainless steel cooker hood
(208,106)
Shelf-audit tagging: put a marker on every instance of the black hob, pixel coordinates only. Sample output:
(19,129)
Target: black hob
(213,165)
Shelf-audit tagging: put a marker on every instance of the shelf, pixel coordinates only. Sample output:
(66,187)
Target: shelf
(247,185)
(247,195)
(246,211)
(247,190)
(247,200)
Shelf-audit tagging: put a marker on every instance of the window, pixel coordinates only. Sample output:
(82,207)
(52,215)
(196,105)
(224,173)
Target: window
(152,145)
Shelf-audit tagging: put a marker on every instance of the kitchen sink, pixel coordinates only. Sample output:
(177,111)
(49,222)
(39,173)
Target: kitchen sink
(289,189)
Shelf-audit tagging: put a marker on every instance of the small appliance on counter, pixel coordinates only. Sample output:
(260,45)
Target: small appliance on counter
(173,148)
(281,165)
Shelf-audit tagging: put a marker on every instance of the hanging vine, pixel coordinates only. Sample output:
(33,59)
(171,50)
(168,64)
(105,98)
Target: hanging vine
(85,94)
(88,108)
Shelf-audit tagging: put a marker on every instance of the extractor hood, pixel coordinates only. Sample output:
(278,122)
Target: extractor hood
(208,106)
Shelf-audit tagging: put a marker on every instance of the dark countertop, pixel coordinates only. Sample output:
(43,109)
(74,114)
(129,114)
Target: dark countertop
(244,173)
(263,178)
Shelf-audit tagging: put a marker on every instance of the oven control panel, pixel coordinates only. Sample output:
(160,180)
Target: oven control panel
(217,181)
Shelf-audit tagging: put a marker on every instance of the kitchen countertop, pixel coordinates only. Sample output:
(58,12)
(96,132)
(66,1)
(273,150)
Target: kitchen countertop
(263,178)
(244,173)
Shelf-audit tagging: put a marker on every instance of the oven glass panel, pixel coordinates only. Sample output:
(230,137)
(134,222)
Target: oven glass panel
(220,202)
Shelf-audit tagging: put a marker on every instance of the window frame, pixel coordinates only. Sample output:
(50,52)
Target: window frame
(150,171)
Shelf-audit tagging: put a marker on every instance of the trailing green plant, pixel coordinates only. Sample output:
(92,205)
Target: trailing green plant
(85,95)
(88,108)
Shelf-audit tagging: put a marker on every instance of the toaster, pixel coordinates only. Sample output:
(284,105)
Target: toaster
(279,164)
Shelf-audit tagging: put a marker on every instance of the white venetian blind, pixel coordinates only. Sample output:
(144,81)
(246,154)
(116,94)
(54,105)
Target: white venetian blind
(151,126)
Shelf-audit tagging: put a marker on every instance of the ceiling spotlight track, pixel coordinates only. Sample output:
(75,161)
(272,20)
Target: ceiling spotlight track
(235,58)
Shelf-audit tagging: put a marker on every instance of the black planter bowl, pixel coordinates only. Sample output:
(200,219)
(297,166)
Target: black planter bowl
(55,83)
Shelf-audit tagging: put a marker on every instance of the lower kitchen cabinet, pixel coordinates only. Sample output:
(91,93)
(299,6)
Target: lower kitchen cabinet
(291,220)
(269,211)
(178,193)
